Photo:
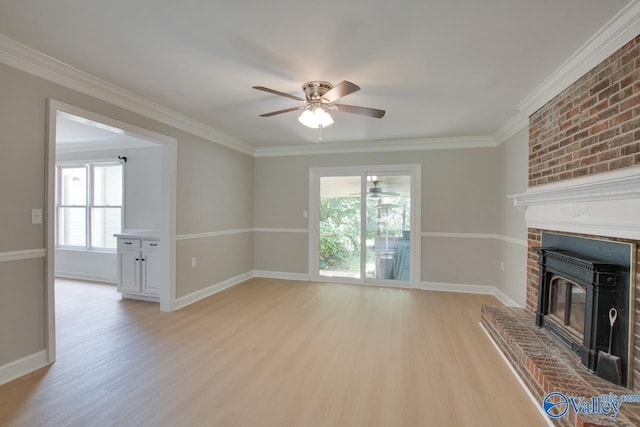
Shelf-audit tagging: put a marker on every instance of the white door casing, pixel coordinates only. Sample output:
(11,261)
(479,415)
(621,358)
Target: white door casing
(167,255)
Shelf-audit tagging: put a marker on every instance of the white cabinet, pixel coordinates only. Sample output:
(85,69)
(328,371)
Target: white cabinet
(150,267)
(139,268)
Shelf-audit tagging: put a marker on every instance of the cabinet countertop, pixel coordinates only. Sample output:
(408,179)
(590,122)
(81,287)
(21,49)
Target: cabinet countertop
(139,234)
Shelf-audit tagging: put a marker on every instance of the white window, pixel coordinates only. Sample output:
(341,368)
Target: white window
(89,205)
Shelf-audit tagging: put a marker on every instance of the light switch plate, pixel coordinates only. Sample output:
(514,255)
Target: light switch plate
(36,216)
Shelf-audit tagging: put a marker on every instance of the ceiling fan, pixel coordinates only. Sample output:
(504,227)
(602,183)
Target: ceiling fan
(376,191)
(320,98)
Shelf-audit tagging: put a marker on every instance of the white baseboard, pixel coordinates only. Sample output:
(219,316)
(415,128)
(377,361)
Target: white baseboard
(458,287)
(426,286)
(470,289)
(537,404)
(23,366)
(148,298)
(280,275)
(505,299)
(86,276)
(213,289)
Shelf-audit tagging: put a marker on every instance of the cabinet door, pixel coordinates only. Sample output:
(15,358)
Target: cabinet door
(129,268)
(151,272)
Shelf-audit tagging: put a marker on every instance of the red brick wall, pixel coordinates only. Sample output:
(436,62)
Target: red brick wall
(591,127)
(535,240)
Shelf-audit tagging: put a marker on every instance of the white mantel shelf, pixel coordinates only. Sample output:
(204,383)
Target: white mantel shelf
(605,204)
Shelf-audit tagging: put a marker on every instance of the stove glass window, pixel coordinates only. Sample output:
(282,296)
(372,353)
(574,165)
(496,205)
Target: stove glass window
(567,305)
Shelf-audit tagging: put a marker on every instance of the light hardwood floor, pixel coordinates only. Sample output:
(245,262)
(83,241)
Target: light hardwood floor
(271,353)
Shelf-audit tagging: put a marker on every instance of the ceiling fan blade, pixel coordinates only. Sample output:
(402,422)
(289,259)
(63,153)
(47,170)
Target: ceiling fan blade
(371,112)
(276,92)
(343,88)
(273,113)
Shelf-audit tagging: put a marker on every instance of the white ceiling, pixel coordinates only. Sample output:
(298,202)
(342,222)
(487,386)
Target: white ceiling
(440,68)
(74,134)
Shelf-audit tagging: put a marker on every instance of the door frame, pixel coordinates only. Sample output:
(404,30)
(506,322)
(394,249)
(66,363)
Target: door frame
(169,147)
(415,173)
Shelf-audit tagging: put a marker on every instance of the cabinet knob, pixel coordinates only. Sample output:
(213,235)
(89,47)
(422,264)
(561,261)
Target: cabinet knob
(153,244)
(137,259)
(127,243)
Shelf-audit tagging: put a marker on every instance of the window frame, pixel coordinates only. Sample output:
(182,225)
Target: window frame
(89,166)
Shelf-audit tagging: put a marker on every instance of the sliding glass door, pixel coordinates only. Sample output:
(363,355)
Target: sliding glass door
(340,227)
(363,225)
(388,227)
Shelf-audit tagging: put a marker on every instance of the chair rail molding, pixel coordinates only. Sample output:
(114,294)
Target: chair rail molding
(20,255)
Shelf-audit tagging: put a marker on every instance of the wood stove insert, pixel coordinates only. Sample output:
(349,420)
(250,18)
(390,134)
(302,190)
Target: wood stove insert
(576,292)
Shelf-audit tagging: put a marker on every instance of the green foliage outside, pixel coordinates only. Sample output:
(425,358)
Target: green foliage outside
(340,229)
(339,232)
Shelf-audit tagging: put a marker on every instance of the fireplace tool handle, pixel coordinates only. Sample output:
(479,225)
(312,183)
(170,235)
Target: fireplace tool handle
(609,366)
(613,315)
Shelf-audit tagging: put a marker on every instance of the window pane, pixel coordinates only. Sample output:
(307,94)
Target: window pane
(105,222)
(388,227)
(72,226)
(340,226)
(73,186)
(107,185)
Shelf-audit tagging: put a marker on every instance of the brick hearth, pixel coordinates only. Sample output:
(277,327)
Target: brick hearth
(546,366)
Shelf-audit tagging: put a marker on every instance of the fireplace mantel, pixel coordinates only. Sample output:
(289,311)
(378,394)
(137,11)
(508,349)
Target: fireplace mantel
(604,204)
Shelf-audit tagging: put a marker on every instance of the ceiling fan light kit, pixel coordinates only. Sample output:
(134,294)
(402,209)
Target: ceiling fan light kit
(315,117)
(320,96)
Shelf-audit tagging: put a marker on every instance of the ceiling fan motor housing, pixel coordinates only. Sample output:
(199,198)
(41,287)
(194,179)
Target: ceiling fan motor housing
(316,89)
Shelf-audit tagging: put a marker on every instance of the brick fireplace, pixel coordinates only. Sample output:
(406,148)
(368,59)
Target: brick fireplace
(584,181)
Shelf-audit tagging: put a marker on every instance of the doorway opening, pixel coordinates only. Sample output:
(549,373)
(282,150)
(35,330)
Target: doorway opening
(364,225)
(104,178)
(106,181)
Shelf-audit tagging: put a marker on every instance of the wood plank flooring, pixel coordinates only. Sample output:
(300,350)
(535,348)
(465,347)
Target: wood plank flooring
(271,353)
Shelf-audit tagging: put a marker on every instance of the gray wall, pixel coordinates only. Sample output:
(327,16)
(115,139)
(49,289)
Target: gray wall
(215,193)
(458,196)
(513,158)
(209,198)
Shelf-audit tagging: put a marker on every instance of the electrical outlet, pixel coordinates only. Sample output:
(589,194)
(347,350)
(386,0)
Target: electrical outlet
(501,265)
(305,214)
(194,261)
(36,216)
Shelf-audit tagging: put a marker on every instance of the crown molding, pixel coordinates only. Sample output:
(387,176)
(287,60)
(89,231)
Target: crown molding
(620,29)
(623,27)
(378,146)
(514,125)
(31,61)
